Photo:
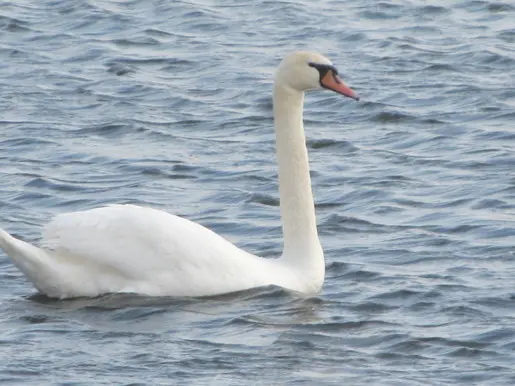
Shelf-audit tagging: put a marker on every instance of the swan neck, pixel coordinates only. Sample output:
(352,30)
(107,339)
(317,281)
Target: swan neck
(296,197)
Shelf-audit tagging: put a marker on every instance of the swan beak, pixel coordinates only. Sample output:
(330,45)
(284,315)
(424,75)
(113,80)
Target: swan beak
(332,82)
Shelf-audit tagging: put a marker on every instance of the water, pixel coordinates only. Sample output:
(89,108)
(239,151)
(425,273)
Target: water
(168,104)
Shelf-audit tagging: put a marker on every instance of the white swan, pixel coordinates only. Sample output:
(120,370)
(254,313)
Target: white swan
(127,248)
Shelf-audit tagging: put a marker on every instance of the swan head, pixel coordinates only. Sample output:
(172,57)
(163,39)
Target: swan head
(305,70)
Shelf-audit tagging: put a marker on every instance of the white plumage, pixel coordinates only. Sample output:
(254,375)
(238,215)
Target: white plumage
(133,249)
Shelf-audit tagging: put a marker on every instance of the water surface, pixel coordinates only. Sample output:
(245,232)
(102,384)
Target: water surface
(168,104)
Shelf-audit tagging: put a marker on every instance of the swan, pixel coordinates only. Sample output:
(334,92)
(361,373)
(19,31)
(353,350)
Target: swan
(133,249)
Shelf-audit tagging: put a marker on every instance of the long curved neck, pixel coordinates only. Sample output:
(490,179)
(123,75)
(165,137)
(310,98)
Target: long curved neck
(296,198)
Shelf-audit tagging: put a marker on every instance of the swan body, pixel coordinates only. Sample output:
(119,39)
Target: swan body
(134,249)
(128,248)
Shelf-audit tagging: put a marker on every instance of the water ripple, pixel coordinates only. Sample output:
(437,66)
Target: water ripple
(168,104)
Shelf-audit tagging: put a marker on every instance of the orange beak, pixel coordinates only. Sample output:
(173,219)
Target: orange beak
(333,82)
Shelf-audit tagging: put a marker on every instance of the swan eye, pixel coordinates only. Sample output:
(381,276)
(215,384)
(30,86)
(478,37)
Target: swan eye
(323,69)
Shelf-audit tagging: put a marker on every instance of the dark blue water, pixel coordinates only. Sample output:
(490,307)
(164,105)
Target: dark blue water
(168,104)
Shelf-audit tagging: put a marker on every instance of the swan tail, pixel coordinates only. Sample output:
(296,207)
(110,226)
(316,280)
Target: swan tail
(34,262)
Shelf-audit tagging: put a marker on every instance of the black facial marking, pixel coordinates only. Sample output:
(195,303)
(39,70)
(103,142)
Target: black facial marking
(323,69)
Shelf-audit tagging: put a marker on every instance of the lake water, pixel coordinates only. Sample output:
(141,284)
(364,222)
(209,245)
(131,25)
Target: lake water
(168,104)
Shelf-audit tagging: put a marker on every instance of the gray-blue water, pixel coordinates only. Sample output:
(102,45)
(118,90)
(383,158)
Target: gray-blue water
(168,104)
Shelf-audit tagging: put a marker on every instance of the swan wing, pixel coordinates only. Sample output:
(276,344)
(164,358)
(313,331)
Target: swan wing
(150,251)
